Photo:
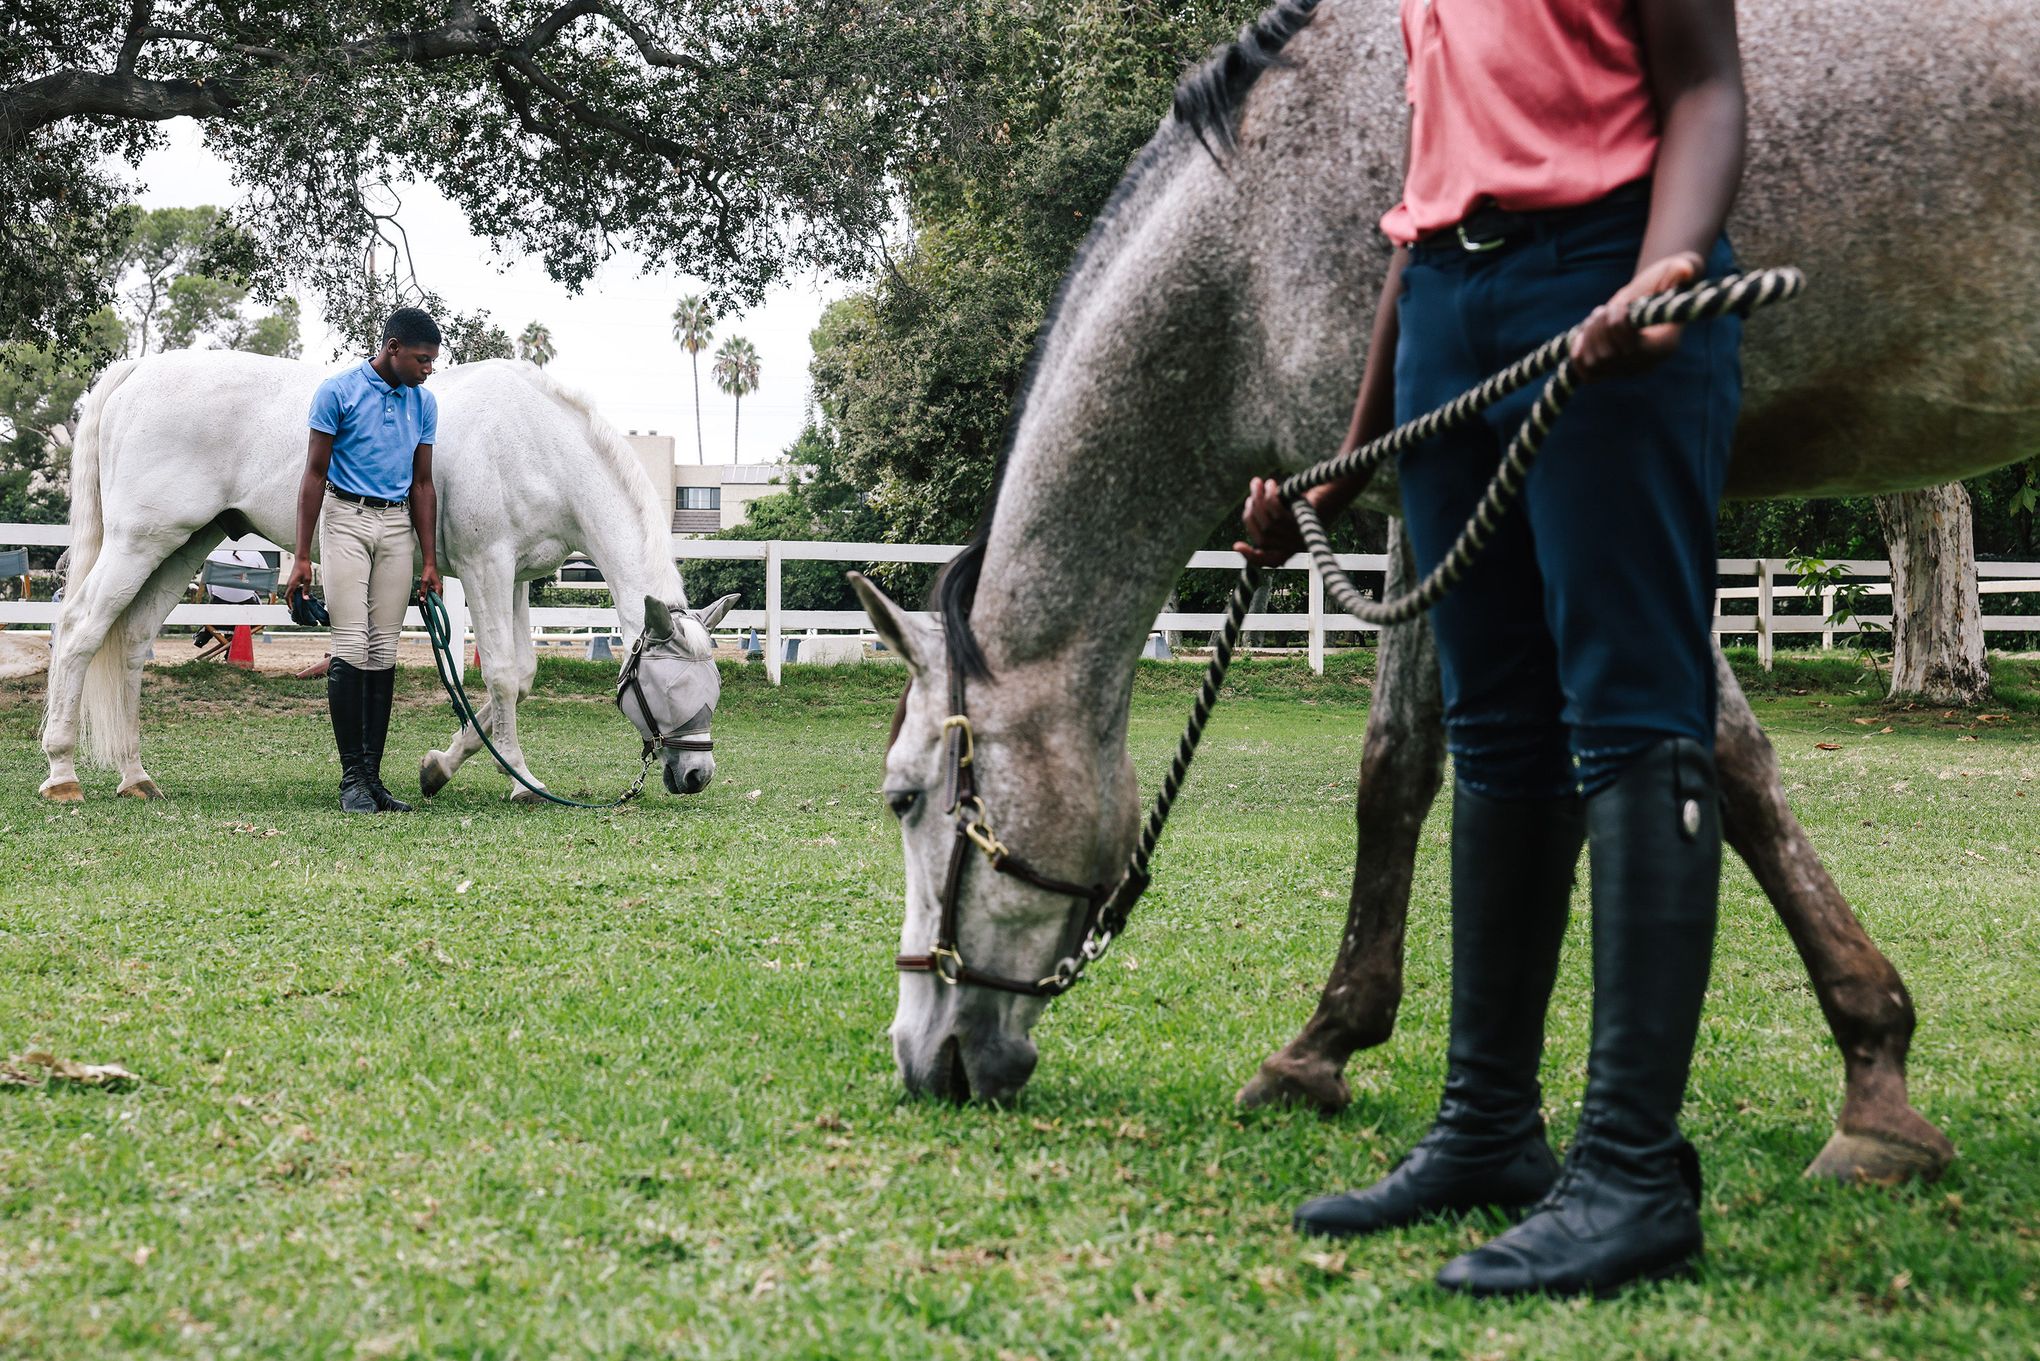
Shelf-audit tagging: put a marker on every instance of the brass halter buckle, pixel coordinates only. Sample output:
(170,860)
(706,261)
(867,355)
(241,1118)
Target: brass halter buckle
(950,972)
(960,723)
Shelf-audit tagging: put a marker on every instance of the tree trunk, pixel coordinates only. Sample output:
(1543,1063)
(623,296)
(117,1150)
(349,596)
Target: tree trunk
(736,425)
(1936,621)
(700,449)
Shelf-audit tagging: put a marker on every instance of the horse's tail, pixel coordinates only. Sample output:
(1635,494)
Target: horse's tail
(88,514)
(103,709)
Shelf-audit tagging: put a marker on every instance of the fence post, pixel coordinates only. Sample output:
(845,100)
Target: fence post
(1827,613)
(774,648)
(1317,620)
(1766,649)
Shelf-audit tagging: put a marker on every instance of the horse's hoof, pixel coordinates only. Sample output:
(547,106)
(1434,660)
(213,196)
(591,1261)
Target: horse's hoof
(432,776)
(1882,1160)
(519,794)
(1286,1080)
(144,789)
(64,791)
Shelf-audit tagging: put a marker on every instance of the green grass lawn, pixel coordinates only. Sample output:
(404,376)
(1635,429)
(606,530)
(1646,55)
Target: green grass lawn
(494,1082)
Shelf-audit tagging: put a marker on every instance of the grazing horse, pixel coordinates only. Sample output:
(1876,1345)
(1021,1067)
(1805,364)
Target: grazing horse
(1214,327)
(175,451)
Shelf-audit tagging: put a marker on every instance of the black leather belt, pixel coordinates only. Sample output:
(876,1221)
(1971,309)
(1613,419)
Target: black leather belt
(1488,228)
(372,502)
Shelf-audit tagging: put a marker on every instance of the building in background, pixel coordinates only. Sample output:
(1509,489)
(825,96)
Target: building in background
(719,496)
(704,499)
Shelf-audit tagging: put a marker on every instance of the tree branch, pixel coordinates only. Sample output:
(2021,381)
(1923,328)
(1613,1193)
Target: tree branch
(654,55)
(139,13)
(70,93)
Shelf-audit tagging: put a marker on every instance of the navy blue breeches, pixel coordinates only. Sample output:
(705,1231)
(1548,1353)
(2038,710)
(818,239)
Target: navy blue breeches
(1583,635)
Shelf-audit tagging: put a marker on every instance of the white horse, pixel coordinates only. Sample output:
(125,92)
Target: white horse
(175,451)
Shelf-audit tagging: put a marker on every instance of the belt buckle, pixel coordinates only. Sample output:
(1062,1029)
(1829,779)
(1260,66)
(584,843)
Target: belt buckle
(1474,246)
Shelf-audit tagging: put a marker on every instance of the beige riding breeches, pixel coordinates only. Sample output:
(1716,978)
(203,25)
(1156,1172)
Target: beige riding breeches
(366,554)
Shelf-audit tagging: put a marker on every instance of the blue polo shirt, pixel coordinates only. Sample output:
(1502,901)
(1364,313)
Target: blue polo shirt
(376,431)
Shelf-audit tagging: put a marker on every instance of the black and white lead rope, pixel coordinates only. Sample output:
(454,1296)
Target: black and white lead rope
(1736,293)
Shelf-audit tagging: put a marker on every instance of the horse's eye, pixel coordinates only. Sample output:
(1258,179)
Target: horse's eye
(902,801)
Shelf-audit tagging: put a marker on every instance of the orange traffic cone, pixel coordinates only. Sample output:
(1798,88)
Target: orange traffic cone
(241,651)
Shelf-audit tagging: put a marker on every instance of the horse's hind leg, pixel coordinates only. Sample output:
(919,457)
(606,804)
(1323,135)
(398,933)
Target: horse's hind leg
(1401,766)
(92,615)
(1879,1136)
(121,729)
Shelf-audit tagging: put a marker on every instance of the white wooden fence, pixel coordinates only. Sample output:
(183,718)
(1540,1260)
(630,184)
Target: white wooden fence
(1779,606)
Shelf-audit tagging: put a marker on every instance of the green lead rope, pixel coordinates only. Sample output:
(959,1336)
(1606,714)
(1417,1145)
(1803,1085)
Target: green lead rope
(446,656)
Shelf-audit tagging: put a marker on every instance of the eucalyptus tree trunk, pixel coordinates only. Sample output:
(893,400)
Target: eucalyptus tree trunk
(1936,621)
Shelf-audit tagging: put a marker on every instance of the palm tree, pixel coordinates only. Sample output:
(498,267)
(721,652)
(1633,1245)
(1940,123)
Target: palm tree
(692,323)
(536,344)
(736,372)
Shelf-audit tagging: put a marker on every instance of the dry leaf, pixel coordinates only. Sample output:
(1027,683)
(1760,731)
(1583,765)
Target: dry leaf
(1827,746)
(1331,1263)
(1967,737)
(753,795)
(84,1074)
(1883,730)
(463,886)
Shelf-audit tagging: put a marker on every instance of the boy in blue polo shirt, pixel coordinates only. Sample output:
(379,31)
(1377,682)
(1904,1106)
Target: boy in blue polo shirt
(368,486)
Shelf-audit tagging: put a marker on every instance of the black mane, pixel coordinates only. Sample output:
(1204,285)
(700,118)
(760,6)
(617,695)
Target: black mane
(1208,99)
(1207,106)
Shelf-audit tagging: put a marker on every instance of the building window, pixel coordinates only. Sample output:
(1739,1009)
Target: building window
(698,498)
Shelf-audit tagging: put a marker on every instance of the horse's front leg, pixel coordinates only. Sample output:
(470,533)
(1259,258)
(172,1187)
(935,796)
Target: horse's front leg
(502,632)
(1401,766)
(1879,1136)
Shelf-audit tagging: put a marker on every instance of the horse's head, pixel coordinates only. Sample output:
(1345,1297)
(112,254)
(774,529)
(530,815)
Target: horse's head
(1045,812)
(669,688)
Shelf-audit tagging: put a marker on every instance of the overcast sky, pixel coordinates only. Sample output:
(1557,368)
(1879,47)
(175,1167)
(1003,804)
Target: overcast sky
(614,338)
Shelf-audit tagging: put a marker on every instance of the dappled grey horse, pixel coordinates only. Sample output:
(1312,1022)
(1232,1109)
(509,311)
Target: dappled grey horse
(1214,327)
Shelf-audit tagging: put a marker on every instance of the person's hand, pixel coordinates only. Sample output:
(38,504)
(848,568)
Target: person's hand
(1606,345)
(1270,525)
(429,583)
(300,582)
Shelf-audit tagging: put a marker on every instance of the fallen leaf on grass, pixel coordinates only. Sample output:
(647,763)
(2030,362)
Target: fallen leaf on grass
(1967,737)
(1881,731)
(753,795)
(14,1071)
(1827,746)
(1331,1263)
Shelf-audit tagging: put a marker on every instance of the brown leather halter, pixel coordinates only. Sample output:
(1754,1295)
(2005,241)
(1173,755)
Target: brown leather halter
(974,831)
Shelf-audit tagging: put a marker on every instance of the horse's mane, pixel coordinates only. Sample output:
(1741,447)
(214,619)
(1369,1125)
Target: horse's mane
(621,459)
(1206,107)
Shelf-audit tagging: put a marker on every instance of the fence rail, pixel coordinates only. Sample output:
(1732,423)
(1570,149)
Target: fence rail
(1776,609)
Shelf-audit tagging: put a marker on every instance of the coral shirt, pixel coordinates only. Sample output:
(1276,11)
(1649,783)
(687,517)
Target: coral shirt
(1527,104)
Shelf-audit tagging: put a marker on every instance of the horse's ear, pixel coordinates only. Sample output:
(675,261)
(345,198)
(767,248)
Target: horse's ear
(712,615)
(915,642)
(658,620)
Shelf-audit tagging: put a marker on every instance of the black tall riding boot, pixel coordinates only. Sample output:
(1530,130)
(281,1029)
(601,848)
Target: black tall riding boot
(1627,1206)
(346,697)
(1512,879)
(379,690)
